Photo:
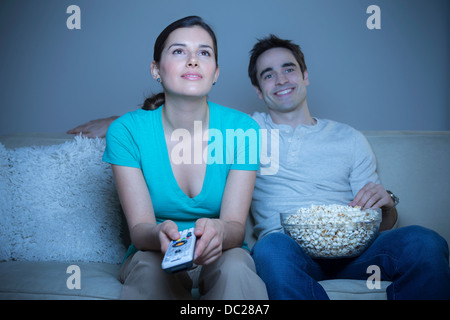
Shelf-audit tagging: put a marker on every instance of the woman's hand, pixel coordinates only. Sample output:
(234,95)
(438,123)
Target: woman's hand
(216,235)
(168,231)
(209,246)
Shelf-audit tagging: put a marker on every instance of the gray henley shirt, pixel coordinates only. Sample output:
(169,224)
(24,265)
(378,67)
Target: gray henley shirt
(325,163)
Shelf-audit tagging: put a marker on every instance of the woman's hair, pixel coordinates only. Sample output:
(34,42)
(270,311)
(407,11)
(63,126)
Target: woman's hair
(156,100)
(268,43)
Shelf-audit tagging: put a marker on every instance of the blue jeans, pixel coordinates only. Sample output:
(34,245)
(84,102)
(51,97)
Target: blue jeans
(414,258)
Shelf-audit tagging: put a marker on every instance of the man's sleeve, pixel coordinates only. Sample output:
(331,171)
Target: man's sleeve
(364,168)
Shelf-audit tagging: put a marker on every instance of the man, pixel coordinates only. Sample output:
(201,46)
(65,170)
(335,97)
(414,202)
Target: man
(322,161)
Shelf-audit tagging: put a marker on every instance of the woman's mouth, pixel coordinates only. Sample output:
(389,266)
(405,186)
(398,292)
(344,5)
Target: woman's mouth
(192,76)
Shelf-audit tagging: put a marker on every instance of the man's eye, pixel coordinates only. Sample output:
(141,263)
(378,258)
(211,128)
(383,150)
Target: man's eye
(268,76)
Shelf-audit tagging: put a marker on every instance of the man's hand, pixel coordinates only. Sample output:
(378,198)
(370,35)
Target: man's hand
(93,128)
(373,195)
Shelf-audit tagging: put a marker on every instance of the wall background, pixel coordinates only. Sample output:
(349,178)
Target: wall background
(395,78)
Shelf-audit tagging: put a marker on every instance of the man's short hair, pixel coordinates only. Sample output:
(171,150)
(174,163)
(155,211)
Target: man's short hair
(270,42)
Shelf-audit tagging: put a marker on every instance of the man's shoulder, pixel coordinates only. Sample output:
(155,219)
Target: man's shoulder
(340,127)
(260,118)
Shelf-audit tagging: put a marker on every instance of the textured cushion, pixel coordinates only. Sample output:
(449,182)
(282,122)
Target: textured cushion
(59,203)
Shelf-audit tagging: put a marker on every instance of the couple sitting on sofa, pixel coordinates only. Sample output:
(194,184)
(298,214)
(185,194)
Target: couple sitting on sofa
(320,161)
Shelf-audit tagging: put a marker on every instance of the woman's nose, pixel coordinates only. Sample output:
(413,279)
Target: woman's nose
(192,61)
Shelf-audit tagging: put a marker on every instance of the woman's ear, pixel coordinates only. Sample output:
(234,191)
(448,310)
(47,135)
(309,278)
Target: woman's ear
(216,76)
(155,70)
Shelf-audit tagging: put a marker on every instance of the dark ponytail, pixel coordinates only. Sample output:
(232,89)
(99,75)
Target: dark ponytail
(154,102)
(157,100)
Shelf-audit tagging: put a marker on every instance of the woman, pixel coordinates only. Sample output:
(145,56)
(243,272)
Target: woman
(168,181)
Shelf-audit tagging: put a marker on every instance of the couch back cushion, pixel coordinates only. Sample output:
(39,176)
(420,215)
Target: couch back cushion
(416,167)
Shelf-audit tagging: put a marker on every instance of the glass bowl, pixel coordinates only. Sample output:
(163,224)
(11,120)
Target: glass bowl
(332,231)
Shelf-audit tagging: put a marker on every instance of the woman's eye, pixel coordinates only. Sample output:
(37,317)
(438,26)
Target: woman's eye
(178,51)
(205,53)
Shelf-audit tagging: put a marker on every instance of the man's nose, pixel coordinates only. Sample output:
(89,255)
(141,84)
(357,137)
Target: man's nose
(281,79)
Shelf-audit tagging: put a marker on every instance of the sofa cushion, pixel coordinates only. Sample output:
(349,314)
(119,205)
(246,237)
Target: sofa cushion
(59,203)
(415,166)
(32,280)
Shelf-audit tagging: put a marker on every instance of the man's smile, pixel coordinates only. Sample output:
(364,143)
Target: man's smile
(283,92)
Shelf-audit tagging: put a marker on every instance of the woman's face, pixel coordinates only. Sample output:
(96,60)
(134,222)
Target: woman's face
(187,66)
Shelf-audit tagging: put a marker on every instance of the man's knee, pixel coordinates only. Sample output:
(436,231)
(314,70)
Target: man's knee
(421,239)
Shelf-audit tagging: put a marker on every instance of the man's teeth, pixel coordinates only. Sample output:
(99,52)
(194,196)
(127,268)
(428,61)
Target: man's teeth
(284,92)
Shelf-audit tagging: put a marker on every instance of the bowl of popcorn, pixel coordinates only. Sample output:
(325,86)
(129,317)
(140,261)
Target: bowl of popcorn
(332,231)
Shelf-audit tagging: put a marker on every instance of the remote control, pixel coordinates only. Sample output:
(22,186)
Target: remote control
(180,254)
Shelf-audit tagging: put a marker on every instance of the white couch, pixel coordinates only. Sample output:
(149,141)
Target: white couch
(43,232)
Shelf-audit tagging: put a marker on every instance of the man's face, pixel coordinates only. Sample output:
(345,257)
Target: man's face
(281,82)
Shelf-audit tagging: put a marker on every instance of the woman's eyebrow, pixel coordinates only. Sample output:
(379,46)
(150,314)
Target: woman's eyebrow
(184,45)
(177,45)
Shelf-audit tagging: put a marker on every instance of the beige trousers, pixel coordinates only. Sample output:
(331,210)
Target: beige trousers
(231,277)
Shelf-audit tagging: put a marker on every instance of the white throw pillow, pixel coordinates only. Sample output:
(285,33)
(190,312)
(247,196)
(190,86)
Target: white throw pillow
(59,203)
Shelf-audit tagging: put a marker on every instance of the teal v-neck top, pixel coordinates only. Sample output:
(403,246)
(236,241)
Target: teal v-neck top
(137,140)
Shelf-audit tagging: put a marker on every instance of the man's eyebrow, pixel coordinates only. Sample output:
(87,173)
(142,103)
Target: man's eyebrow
(265,70)
(289,64)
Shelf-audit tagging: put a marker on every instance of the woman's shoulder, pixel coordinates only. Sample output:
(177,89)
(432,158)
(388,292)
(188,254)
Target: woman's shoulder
(131,123)
(134,117)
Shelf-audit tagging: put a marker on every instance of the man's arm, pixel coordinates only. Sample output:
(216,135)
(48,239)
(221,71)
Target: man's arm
(390,217)
(93,128)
